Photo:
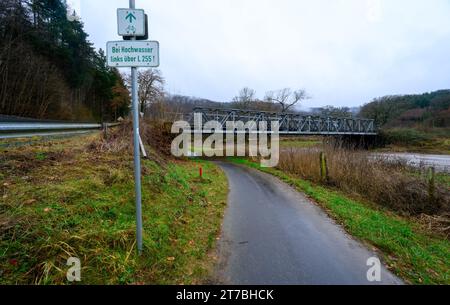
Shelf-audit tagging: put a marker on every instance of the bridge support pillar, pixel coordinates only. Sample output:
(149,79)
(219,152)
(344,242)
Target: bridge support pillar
(353,141)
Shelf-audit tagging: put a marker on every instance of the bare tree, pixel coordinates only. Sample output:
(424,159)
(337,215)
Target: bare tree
(332,111)
(151,87)
(245,98)
(286,98)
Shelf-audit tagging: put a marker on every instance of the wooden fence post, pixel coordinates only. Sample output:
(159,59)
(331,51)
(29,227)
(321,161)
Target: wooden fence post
(105,131)
(432,185)
(323,168)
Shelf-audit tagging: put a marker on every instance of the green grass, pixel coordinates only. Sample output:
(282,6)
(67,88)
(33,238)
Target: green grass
(300,142)
(413,254)
(443,178)
(55,204)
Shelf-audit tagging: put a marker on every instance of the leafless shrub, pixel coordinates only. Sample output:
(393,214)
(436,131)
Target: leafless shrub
(384,182)
(120,139)
(437,223)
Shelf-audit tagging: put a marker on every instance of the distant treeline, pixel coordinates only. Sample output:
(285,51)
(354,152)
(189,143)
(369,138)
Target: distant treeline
(186,104)
(48,68)
(428,110)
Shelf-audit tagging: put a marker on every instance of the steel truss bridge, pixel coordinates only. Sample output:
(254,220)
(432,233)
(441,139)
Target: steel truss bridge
(290,124)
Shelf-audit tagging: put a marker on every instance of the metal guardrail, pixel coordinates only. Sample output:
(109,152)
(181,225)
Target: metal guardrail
(10,130)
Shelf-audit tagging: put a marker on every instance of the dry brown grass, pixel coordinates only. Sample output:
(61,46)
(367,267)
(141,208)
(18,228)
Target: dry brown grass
(120,140)
(390,184)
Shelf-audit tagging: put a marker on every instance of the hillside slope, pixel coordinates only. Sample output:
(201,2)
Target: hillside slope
(413,122)
(428,110)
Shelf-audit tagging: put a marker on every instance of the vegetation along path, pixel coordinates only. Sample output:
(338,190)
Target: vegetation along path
(75,198)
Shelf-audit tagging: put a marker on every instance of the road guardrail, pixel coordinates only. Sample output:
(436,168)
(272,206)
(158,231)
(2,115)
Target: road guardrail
(10,130)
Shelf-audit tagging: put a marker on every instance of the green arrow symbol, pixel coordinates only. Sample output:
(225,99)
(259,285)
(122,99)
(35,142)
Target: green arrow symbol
(130,16)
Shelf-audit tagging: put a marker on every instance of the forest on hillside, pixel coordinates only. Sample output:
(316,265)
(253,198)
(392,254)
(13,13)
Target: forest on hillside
(421,111)
(49,69)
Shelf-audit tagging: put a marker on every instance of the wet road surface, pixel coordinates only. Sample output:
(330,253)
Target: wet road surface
(273,234)
(440,162)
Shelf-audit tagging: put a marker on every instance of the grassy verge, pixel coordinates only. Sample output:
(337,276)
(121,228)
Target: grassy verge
(306,142)
(60,200)
(414,254)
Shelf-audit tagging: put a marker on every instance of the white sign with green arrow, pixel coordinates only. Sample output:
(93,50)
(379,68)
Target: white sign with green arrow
(131,22)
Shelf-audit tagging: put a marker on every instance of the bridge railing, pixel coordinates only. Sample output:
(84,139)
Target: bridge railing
(290,123)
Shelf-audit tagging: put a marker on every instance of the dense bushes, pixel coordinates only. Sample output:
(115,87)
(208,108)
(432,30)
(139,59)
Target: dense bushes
(404,136)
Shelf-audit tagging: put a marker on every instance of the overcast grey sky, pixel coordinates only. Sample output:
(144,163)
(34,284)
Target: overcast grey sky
(343,52)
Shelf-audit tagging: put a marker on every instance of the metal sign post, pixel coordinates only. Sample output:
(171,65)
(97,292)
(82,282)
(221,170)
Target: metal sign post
(137,155)
(134,54)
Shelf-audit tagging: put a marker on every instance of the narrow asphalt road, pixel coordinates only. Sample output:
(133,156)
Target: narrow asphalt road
(274,235)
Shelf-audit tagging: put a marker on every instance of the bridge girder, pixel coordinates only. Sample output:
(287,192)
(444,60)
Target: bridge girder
(289,123)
